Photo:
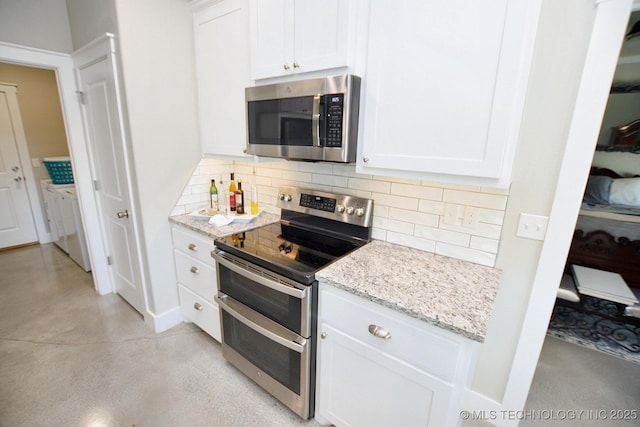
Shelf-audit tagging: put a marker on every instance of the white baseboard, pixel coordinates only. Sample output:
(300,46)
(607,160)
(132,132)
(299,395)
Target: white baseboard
(164,321)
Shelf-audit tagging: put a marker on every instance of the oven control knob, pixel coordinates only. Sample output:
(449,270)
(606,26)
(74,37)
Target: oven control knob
(359,211)
(340,208)
(288,198)
(350,210)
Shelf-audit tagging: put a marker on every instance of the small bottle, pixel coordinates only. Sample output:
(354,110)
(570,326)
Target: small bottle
(232,195)
(239,199)
(254,200)
(213,192)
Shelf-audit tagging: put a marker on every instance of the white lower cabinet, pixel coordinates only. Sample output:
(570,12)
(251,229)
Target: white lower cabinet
(197,279)
(417,376)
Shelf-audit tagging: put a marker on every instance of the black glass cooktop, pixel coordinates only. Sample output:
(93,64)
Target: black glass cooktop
(294,252)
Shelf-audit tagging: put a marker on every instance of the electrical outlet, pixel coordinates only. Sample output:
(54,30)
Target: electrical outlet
(35,162)
(470,218)
(453,214)
(532,226)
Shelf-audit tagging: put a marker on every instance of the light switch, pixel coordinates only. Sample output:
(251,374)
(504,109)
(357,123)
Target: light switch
(532,226)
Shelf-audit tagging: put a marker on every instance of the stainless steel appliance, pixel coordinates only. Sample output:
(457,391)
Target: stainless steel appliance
(315,119)
(267,291)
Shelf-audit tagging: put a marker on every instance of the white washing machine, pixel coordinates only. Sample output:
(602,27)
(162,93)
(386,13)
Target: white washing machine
(63,213)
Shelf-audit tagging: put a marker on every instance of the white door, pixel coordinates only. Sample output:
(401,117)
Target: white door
(16,219)
(103,124)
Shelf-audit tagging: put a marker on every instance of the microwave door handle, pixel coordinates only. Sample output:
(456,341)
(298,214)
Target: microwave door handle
(315,121)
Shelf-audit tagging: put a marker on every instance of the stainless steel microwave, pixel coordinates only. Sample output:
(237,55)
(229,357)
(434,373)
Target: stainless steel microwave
(314,120)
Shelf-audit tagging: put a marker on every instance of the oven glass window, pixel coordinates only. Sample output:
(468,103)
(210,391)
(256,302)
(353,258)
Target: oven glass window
(279,307)
(278,361)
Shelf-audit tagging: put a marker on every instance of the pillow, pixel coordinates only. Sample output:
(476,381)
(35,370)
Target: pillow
(598,189)
(625,191)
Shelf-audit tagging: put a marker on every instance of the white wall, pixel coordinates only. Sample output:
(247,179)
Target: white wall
(90,19)
(559,57)
(43,24)
(156,41)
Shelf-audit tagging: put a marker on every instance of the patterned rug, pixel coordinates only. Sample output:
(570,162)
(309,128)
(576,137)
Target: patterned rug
(592,326)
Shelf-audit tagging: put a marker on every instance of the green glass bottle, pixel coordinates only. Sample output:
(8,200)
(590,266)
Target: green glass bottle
(213,193)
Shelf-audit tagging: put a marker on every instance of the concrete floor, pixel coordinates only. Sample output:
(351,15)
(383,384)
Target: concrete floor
(69,357)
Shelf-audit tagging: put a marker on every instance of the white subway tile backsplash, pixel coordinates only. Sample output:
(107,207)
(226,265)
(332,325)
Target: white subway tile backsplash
(441,235)
(393,225)
(335,181)
(484,244)
(480,200)
(406,211)
(370,185)
(413,217)
(417,191)
(348,170)
(491,216)
(408,203)
(466,254)
(430,206)
(411,241)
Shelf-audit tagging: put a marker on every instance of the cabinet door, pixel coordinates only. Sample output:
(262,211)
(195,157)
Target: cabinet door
(359,385)
(271,27)
(222,61)
(444,87)
(321,32)
(300,36)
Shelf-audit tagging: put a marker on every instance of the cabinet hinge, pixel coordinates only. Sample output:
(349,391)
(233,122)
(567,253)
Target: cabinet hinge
(80,96)
(109,260)
(96,186)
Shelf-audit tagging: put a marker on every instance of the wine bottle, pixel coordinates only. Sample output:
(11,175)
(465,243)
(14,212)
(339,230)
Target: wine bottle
(232,195)
(239,199)
(213,192)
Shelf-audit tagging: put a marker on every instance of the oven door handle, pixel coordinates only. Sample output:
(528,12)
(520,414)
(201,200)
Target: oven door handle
(262,324)
(291,291)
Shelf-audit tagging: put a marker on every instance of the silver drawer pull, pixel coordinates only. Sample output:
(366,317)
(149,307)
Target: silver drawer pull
(194,270)
(192,247)
(379,332)
(197,306)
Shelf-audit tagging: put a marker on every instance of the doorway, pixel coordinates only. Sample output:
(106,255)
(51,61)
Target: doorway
(62,66)
(41,134)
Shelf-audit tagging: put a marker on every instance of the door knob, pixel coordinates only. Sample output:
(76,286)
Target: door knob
(124,214)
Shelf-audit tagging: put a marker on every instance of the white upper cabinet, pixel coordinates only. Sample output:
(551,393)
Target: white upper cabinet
(223,72)
(444,87)
(299,36)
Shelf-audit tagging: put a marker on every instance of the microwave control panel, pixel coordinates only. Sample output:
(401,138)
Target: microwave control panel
(335,113)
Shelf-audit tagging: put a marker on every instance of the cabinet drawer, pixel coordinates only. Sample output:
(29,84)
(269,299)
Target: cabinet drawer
(199,277)
(425,346)
(193,243)
(203,313)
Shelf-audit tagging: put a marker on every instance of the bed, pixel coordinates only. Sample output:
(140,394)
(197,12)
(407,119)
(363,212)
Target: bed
(611,203)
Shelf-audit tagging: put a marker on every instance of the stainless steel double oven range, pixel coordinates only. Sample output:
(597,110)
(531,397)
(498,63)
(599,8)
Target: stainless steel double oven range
(268,293)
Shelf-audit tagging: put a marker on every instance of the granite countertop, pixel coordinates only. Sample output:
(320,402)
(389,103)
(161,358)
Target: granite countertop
(449,293)
(212,231)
